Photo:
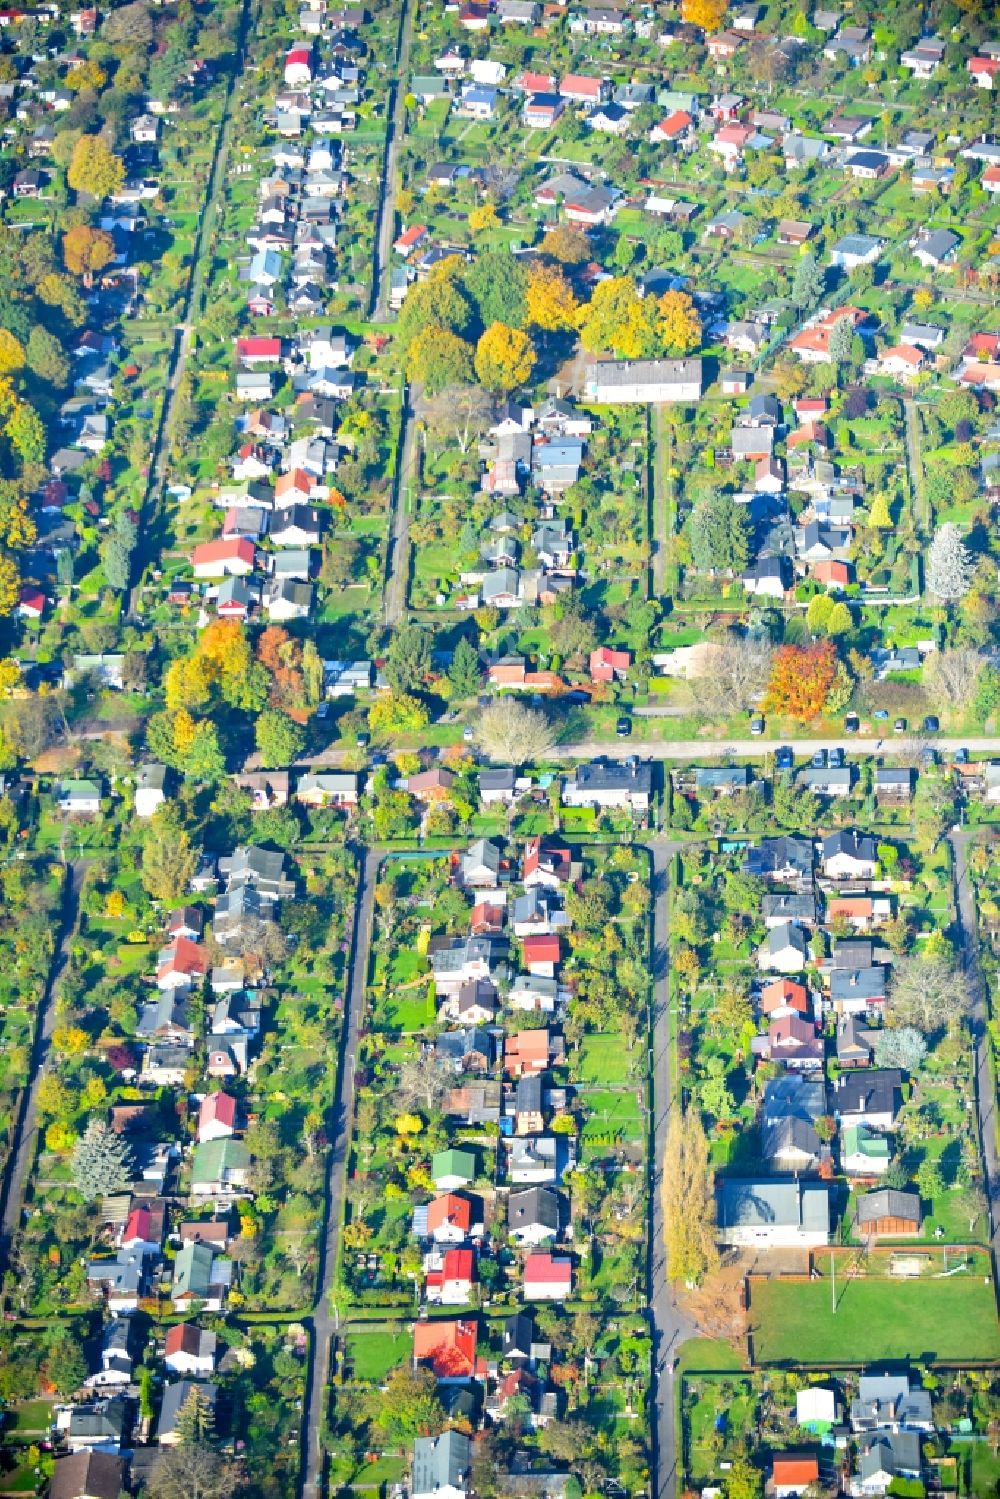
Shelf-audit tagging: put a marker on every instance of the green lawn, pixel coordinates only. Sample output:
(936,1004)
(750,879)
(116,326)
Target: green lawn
(612,1114)
(374,1351)
(927,1319)
(603,1060)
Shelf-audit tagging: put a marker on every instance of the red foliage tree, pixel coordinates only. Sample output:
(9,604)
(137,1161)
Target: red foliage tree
(801,677)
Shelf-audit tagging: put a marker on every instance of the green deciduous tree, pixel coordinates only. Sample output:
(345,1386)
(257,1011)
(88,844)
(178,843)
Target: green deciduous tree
(280,740)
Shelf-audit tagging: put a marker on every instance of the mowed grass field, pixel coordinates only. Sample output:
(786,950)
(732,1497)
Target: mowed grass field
(944,1321)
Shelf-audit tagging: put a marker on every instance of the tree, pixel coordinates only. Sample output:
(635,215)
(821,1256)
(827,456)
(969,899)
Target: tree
(505,358)
(196,1420)
(437,358)
(927,992)
(12,355)
(743,1481)
(280,740)
(566,243)
(102,1162)
(168,860)
(496,282)
(339,559)
(679,324)
(408,659)
(731,674)
(95,170)
(719,534)
(972,1204)
(818,614)
(905,1048)
(408,1407)
(808,282)
(688,1199)
(129,26)
(841,340)
(511,733)
(439,302)
(116,560)
(483,219)
(708,14)
(880,516)
(46,359)
(465,673)
(801,677)
(550,300)
(929,1179)
(459,412)
(617,318)
(953,676)
(840,621)
(397,713)
(192,1470)
(86,250)
(949,564)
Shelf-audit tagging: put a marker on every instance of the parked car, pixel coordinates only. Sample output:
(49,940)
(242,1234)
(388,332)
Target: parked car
(818,761)
(881,714)
(931,723)
(837,758)
(852,723)
(623,727)
(899,727)
(961,757)
(757,724)
(784,757)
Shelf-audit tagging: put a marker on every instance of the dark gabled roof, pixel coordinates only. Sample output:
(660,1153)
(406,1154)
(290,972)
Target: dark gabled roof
(886,1202)
(854,845)
(867,1092)
(536,1206)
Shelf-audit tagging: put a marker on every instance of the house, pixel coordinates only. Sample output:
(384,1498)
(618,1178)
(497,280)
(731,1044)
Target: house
(894,785)
(888,1214)
(831,781)
(116,1360)
(868,1097)
(327,789)
(863,1153)
(448,1218)
(783,997)
(541,955)
(180,964)
(812,343)
(453,1168)
(78,798)
(984,71)
(935,248)
(768,577)
(230,557)
(856,991)
(545,863)
(537,1160)
(441,1466)
(864,912)
(790,1474)
(448,1348)
(533,1216)
(608,784)
(785,949)
(817,1408)
(654,381)
(855,1042)
(789,1141)
(520,1344)
(886,1457)
(88,1475)
(868,165)
(768,1213)
(150,788)
(201,1279)
(190,1349)
(411,239)
(449,1281)
(528,1105)
(547,1278)
(852,250)
(479,866)
(849,856)
(536,995)
(888,1402)
(609,119)
(794,231)
(175,1397)
(220,1168)
(793,1042)
(578,88)
(217,1117)
(785,859)
(528,1052)
(541,111)
(925,58)
(674,128)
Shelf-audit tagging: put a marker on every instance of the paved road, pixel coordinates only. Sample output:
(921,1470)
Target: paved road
(985,1094)
(662,459)
(324,1318)
(23,1149)
(707,749)
(398,558)
(670,1326)
(386,212)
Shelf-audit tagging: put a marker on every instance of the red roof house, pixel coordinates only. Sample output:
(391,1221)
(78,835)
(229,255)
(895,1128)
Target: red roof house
(181,963)
(408,241)
(452,1284)
(607,665)
(783,997)
(448,1348)
(547,1277)
(258,350)
(449,1218)
(541,955)
(216,1117)
(545,863)
(832,573)
(673,127)
(31,602)
(232,556)
(792,1474)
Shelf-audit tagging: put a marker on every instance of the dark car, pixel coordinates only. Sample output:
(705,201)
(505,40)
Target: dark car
(784,757)
(362,741)
(757,724)
(931,724)
(961,757)
(852,723)
(837,759)
(623,728)
(818,761)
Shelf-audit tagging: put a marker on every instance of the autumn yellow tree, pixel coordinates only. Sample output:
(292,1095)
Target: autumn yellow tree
(87,250)
(688,1200)
(550,300)
(95,169)
(505,358)
(566,243)
(708,14)
(10,585)
(187,683)
(680,325)
(12,354)
(484,218)
(86,75)
(617,318)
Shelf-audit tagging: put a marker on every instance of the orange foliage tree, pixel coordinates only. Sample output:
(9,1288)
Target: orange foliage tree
(801,677)
(708,14)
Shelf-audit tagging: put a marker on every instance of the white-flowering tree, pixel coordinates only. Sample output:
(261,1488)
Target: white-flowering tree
(949,564)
